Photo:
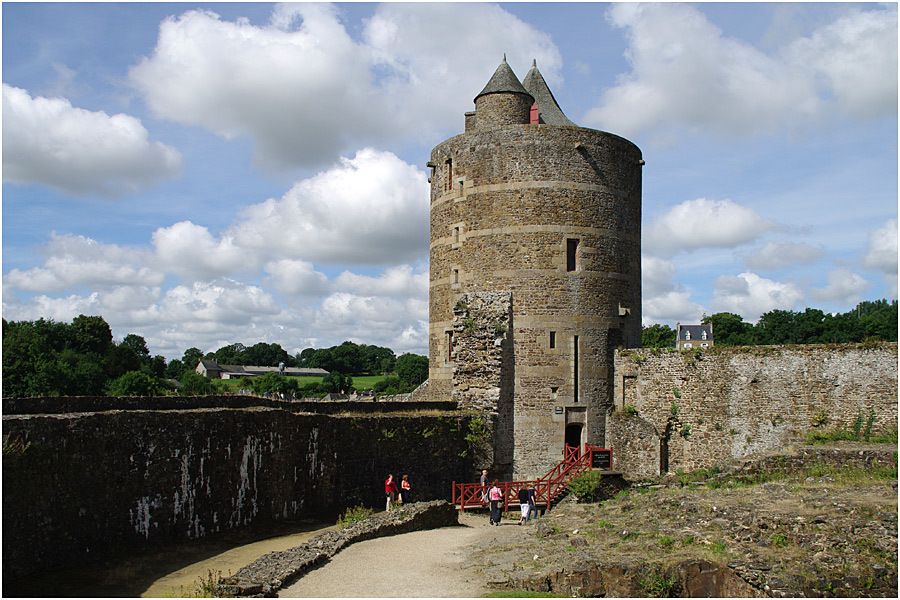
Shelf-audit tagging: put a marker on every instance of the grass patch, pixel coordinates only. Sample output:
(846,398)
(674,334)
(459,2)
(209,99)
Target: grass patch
(520,594)
(665,541)
(656,584)
(586,486)
(779,540)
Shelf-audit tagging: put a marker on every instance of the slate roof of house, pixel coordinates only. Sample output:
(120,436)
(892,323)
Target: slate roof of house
(254,370)
(503,81)
(549,109)
(696,332)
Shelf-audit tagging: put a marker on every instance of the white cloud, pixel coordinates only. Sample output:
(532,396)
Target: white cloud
(777,255)
(685,72)
(50,142)
(664,301)
(844,287)
(398,282)
(371,209)
(750,295)
(703,223)
(882,253)
(297,277)
(191,251)
(305,91)
(74,260)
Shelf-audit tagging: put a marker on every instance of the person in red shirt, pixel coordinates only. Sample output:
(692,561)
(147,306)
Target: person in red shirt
(390,491)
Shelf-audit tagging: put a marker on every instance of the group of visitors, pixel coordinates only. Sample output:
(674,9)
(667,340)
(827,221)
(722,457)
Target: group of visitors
(494,496)
(393,495)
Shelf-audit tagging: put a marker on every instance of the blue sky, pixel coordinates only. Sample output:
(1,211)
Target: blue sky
(203,174)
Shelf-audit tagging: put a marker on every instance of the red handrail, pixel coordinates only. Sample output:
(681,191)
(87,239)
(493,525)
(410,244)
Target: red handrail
(547,488)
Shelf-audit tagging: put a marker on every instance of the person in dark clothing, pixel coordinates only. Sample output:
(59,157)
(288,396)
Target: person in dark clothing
(405,489)
(524,505)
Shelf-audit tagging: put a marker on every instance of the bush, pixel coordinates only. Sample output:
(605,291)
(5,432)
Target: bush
(134,383)
(194,384)
(273,383)
(586,486)
(354,514)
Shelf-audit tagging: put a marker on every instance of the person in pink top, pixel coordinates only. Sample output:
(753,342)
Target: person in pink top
(495,495)
(390,491)
(405,489)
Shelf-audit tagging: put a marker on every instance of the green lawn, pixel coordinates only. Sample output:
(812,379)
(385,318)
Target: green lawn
(360,382)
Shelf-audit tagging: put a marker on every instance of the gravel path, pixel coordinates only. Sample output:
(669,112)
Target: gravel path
(422,564)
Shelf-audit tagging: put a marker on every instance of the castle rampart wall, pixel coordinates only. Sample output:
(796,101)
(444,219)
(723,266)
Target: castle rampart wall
(86,486)
(731,402)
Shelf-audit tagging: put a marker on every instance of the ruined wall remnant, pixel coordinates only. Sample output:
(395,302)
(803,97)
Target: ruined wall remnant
(704,408)
(83,486)
(481,324)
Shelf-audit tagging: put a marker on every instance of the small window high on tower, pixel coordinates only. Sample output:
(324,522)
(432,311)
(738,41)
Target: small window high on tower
(571,254)
(448,175)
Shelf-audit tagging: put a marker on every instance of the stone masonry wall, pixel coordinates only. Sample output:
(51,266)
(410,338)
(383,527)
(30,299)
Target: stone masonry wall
(87,486)
(695,409)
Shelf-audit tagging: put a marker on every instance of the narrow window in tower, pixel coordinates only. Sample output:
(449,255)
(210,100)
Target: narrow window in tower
(448,174)
(456,235)
(449,346)
(553,339)
(571,252)
(455,276)
(575,369)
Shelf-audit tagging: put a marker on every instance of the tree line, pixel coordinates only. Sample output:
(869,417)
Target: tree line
(51,358)
(870,320)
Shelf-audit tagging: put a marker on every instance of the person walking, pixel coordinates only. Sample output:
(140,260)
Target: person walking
(495,494)
(390,491)
(524,505)
(405,489)
(484,486)
(532,503)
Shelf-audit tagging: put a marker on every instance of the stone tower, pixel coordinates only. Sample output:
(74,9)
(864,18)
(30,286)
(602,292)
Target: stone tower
(535,271)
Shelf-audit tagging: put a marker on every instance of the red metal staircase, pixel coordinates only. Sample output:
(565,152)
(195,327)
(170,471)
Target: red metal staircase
(548,488)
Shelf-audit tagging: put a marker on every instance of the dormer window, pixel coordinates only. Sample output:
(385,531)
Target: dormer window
(687,334)
(703,335)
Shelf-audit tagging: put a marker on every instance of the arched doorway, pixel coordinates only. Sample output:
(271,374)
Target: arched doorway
(573,440)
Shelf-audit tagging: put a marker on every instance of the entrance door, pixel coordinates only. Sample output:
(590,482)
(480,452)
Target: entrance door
(573,440)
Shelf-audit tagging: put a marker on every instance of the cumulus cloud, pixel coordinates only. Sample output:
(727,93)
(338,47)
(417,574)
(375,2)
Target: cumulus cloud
(844,287)
(882,253)
(371,209)
(703,223)
(399,282)
(305,91)
(191,251)
(664,301)
(736,88)
(74,260)
(297,277)
(50,142)
(777,255)
(750,295)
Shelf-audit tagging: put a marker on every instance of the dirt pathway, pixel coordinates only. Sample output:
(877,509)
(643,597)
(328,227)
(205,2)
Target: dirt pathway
(429,564)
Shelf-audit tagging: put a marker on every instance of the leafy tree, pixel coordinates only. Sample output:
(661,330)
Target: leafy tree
(376,359)
(273,383)
(777,327)
(191,357)
(195,384)
(412,369)
(134,383)
(233,354)
(136,344)
(390,386)
(336,382)
(175,369)
(657,336)
(266,355)
(91,334)
(730,329)
(120,360)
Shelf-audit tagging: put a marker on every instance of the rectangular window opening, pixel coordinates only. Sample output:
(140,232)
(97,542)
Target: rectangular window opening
(448,172)
(449,346)
(575,369)
(456,235)
(553,339)
(571,253)
(455,276)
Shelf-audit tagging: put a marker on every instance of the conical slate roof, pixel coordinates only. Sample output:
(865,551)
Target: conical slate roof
(549,109)
(503,81)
